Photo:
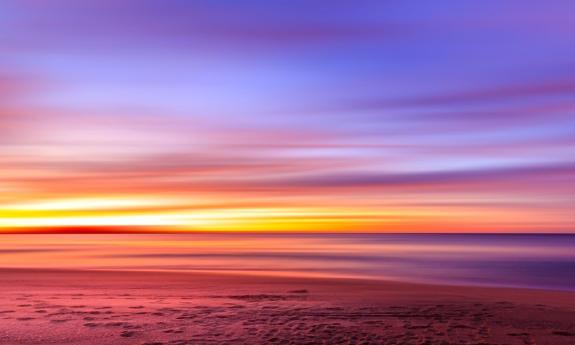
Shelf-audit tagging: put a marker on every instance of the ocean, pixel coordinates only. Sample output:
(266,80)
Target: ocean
(509,260)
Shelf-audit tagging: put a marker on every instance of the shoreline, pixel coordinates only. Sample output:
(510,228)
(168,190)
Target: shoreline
(292,275)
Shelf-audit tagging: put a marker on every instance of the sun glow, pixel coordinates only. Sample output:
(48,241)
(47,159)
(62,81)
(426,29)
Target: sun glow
(102,203)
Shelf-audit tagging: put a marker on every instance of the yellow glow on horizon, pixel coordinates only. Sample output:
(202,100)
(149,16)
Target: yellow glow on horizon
(90,204)
(177,214)
(125,220)
(90,212)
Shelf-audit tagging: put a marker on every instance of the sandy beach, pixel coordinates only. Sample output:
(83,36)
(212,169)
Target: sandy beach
(158,308)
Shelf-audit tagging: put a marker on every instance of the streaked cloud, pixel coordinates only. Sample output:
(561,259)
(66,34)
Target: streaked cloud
(356,115)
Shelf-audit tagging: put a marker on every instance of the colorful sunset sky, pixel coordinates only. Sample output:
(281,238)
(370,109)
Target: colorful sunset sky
(300,115)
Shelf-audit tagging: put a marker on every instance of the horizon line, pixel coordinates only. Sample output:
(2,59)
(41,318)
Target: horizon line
(120,230)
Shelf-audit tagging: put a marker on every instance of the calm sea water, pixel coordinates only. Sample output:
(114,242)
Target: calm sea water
(539,261)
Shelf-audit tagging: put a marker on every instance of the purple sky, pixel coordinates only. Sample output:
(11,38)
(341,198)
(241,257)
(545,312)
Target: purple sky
(447,113)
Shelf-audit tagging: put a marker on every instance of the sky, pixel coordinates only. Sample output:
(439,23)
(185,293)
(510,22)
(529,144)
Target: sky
(301,115)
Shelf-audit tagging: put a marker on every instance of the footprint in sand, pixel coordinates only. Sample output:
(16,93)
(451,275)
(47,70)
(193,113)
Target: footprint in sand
(127,334)
(175,331)
(518,334)
(181,342)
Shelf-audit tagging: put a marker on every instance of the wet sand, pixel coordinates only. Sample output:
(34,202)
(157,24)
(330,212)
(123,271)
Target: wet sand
(151,308)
